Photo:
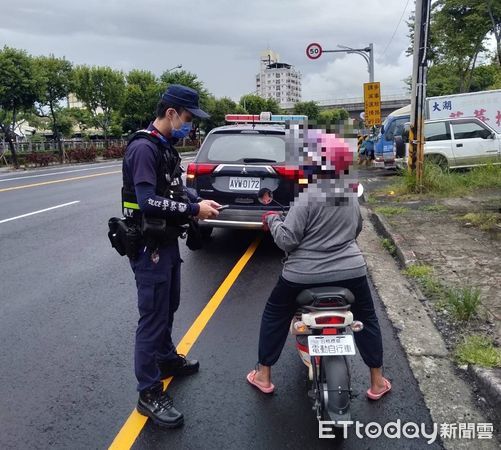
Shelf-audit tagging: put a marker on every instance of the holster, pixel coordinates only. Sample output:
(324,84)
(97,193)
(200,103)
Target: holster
(125,237)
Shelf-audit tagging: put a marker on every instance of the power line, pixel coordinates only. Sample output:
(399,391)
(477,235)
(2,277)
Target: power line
(396,28)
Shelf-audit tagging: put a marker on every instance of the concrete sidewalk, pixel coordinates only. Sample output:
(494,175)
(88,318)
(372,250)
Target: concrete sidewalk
(461,254)
(448,396)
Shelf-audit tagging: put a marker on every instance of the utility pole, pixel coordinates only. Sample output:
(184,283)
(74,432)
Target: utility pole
(418,97)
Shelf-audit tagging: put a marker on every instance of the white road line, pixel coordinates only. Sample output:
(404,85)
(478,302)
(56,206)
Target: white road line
(40,211)
(57,173)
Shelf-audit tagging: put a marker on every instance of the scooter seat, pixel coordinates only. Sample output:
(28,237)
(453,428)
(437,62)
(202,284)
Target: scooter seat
(325,296)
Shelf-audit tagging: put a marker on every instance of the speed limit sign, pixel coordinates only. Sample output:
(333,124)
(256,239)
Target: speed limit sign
(314,51)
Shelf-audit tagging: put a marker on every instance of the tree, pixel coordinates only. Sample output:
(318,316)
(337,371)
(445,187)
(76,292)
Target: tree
(102,91)
(443,79)
(272,106)
(18,91)
(186,79)
(80,117)
(254,104)
(310,109)
(142,94)
(494,13)
(218,108)
(458,31)
(330,116)
(56,82)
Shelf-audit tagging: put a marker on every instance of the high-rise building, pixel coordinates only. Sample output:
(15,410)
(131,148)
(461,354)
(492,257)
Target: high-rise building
(278,80)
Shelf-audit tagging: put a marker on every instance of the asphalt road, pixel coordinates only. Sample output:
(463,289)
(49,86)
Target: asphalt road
(67,322)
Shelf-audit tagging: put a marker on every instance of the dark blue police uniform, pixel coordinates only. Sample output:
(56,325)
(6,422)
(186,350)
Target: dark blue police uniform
(157,271)
(155,201)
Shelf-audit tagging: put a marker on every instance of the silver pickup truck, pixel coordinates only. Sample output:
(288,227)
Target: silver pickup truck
(454,143)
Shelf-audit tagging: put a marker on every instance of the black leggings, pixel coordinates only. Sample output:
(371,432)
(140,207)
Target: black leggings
(280,309)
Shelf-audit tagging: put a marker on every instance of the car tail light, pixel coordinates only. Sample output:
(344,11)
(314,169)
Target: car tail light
(289,172)
(195,169)
(329,320)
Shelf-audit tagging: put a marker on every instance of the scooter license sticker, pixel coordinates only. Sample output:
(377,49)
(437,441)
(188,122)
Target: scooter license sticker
(331,345)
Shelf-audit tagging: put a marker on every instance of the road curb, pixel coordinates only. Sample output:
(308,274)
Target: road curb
(487,380)
(405,254)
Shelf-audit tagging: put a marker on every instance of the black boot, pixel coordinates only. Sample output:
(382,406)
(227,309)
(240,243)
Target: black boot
(158,406)
(178,367)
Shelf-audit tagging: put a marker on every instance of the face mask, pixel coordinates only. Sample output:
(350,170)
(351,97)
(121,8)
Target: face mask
(181,133)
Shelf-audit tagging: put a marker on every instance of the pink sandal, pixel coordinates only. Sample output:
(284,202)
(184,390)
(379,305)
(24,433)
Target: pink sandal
(387,389)
(251,379)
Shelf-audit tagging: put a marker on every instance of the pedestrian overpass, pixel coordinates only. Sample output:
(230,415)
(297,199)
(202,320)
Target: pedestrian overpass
(355,105)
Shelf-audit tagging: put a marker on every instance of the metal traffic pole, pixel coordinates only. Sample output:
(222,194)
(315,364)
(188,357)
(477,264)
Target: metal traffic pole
(314,51)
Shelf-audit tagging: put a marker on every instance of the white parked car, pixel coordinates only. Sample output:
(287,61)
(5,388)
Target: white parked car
(455,143)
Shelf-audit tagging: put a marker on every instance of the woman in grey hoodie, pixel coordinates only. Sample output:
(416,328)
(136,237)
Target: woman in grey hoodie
(318,236)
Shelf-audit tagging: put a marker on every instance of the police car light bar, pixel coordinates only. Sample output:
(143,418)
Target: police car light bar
(264,117)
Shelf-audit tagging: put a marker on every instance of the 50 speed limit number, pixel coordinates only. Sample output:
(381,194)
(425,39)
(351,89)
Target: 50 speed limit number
(314,51)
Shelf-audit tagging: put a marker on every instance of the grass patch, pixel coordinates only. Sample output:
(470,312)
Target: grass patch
(439,182)
(434,208)
(483,220)
(478,350)
(418,271)
(371,200)
(390,211)
(462,303)
(389,246)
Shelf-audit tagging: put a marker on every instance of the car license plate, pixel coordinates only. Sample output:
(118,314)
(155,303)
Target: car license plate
(331,345)
(245,184)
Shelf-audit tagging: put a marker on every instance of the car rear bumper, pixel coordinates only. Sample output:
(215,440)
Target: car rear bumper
(236,218)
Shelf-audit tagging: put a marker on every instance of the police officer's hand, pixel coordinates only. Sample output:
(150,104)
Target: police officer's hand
(208,209)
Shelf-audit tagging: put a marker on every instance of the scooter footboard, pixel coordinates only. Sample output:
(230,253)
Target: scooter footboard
(336,392)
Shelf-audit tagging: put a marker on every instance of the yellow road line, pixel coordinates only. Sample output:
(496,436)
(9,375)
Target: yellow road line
(135,423)
(24,186)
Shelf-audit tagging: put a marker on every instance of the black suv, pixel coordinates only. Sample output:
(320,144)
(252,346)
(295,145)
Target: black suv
(234,163)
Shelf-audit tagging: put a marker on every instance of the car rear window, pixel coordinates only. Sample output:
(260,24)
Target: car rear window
(237,147)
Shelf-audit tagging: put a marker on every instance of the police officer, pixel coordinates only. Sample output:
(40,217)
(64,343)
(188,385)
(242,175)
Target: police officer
(154,198)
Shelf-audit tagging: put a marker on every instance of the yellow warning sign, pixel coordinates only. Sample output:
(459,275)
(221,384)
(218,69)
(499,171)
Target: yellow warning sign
(372,103)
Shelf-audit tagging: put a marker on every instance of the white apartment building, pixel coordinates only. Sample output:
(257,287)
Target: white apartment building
(278,80)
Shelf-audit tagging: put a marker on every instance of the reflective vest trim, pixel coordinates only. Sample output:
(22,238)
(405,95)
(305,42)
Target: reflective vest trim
(131,205)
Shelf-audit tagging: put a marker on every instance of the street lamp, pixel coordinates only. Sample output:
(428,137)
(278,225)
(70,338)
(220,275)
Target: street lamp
(367,53)
(174,68)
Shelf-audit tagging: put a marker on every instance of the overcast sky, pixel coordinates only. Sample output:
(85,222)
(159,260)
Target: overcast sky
(220,40)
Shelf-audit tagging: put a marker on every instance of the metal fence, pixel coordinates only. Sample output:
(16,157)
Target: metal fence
(51,146)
